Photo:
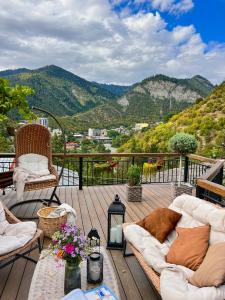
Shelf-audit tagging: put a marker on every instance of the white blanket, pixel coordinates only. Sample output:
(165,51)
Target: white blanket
(20,177)
(174,278)
(61,210)
(14,236)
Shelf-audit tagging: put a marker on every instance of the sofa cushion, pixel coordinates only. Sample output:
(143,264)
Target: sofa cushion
(160,222)
(35,163)
(190,247)
(197,212)
(212,270)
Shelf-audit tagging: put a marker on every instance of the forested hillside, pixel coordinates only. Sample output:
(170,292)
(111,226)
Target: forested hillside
(205,120)
(152,100)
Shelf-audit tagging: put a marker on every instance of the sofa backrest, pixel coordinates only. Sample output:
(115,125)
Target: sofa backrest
(197,212)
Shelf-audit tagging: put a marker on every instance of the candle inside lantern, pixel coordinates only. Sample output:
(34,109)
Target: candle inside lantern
(119,234)
(113,231)
(94,268)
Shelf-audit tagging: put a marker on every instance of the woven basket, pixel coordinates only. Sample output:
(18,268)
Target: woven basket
(50,225)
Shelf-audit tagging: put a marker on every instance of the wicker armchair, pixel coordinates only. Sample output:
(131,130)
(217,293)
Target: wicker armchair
(34,243)
(35,138)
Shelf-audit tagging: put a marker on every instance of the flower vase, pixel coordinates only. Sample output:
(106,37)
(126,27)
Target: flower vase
(72,277)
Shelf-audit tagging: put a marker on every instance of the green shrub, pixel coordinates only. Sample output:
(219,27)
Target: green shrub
(134,175)
(183,143)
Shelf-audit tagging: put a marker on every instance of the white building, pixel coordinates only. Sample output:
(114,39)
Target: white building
(92,132)
(140,126)
(43,121)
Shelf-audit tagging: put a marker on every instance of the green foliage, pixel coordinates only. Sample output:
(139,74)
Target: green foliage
(57,143)
(14,98)
(149,169)
(134,175)
(183,143)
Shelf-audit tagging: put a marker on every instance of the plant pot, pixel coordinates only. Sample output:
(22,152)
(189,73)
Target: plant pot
(134,193)
(182,189)
(72,277)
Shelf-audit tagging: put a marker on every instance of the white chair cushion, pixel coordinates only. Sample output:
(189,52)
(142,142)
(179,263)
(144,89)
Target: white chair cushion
(3,221)
(34,163)
(16,236)
(42,178)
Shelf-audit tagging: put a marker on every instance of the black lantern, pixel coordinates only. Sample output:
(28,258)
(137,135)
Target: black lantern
(94,239)
(95,259)
(116,217)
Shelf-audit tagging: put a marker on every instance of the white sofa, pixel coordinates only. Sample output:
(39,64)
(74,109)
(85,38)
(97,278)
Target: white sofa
(173,278)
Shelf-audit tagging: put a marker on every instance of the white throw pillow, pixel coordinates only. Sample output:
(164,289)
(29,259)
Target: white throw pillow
(34,163)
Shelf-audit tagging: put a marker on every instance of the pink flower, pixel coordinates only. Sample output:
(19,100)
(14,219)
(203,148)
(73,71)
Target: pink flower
(69,248)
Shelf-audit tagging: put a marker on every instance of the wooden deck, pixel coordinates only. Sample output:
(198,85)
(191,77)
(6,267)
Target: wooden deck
(91,205)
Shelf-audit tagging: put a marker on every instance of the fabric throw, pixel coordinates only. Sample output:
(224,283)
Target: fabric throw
(20,177)
(212,270)
(190,247)
(61,210)
(160,222)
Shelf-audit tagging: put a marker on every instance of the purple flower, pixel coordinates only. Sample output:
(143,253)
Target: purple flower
(76,250)
(54,242)
(75,239)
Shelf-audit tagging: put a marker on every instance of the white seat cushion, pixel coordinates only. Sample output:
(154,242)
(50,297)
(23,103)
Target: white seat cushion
(42,178)
(14,236)
(35,163)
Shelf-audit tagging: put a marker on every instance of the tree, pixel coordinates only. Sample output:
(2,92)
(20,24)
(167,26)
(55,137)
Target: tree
(14,98)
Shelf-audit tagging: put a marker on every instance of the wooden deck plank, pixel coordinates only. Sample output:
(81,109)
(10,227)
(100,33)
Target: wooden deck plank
(91,205)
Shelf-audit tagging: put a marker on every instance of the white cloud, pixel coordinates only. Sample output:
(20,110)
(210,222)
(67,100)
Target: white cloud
(89,39)
(173,6)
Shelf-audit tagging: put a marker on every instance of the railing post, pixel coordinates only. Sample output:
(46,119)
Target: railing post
(133,160)
(80,173)
(186,169)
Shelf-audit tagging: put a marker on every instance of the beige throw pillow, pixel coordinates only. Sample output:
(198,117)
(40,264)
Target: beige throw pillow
(212,270)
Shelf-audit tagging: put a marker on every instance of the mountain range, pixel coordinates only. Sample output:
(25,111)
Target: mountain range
(205,120)
(82,104)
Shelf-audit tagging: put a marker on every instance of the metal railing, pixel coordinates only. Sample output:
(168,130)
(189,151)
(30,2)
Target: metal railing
(106,168)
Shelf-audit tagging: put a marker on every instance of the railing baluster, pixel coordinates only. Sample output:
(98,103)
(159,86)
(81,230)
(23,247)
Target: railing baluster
(80,173)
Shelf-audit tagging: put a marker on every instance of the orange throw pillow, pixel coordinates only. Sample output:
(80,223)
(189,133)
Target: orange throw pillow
(190,247)
(160,222)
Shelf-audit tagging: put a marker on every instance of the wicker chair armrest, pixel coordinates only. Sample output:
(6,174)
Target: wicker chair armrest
(10,217)
(53,171)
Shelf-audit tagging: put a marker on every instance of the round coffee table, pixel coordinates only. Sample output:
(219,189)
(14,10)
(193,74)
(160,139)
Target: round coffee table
(48,278)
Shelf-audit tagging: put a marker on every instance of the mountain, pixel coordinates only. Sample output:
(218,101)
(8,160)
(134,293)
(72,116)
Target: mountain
(151,100)
(117,90)
(59,91)
(205,120)
(13,72)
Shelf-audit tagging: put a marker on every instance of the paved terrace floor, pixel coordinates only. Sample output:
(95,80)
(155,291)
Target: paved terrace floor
(91,205)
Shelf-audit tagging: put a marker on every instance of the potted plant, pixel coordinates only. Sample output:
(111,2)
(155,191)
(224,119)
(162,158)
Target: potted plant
(184,144)
(70,245)
(134,188)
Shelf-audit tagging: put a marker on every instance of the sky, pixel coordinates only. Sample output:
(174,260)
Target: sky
(115,41)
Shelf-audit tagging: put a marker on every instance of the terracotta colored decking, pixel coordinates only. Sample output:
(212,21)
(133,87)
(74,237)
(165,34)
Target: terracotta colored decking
(91,205)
